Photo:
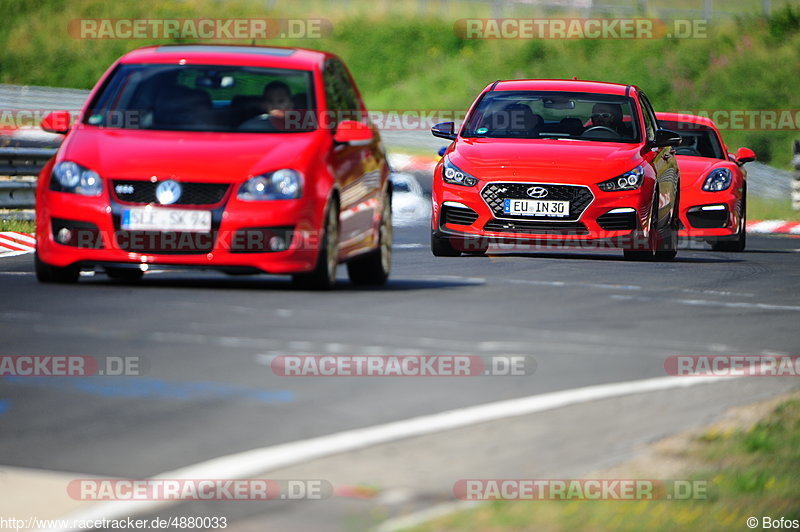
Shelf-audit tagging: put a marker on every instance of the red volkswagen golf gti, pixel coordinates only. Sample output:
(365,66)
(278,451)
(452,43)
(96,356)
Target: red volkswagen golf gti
(237,158)
(557,161)
(713,183)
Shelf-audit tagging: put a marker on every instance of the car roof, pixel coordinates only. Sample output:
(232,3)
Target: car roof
(229,54)
(574,85)
(687,118)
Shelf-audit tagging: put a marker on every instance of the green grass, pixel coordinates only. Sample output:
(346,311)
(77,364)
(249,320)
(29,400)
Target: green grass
(769,209)
(405,54)
(754,473)
(19,226)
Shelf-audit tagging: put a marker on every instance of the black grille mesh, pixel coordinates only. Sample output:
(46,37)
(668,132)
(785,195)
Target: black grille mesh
(144,192)
(535,228)
(617,221)
(579,198)
(458,215)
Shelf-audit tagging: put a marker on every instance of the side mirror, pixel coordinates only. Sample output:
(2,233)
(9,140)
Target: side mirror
(745,155)
(665,137)
(444,130)
(353,133)
(57,122)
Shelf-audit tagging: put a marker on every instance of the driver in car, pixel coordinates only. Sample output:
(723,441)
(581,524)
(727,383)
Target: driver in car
(277,99)
(609,115)
(273,108)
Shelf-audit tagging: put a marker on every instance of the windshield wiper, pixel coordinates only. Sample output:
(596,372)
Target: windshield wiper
(555,136)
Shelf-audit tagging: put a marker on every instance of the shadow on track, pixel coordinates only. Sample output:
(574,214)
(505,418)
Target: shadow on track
(267,284)
(614,258)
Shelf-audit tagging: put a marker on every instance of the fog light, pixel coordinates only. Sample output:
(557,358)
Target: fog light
(276,243)
(64,235)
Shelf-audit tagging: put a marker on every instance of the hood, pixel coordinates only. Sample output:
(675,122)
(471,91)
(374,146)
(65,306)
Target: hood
(694,170)
(201,156)
(545,159)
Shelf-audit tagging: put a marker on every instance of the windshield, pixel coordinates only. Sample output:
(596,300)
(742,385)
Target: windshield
(205,98)
(696,140)
(568,115)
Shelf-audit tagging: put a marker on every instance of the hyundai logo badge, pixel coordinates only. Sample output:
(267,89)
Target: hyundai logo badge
(537,192)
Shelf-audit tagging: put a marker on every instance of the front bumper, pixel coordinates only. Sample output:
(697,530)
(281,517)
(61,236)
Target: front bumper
(711,215)
(242,236)
(610,219)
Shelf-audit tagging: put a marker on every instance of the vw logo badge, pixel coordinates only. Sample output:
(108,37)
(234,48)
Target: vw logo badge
(168,192)
(537,192)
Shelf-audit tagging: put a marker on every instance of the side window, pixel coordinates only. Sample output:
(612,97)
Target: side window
(333,93)
(340,92)
(348,91)
(650,122)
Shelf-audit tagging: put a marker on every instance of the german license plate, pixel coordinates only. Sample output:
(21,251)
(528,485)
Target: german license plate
(526,207)
(156,219)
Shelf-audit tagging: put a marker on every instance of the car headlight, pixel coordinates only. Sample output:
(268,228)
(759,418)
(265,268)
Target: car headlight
(630,180)
(719,179)
(453,175)
(277,185)
(72,177)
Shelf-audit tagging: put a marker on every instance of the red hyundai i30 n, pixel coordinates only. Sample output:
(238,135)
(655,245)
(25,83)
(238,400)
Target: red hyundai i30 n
(713,183)
(557,161)
(243,159)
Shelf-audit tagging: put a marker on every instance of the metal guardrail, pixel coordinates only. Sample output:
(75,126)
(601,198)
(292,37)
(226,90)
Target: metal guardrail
(24,161)
(24,152)
(17,194)
(40,98)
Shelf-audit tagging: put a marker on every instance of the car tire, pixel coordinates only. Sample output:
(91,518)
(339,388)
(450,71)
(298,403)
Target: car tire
(125,275)
(652,244)
(45,273)
(323,276)
(442,247)
(373,268)
(669,248)
(738,245)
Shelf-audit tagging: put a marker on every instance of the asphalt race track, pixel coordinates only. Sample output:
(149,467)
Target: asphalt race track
(206,342)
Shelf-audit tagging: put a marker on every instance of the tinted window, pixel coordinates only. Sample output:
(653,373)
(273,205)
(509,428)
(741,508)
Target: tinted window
(333,88)
(205,98)
(340,93)
(696,140)
(536,114)
(348,90)
(650,122)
